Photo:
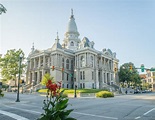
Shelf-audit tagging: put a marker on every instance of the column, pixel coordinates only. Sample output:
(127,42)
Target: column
(34,63)
(38,77)
(85,59)
(39,62)
(44,61)
(48,65)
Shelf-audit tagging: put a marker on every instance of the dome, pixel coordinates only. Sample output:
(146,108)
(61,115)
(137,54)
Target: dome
(72,25)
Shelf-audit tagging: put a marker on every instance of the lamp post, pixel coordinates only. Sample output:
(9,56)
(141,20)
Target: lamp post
(20,60)
(75,86)
(75,91)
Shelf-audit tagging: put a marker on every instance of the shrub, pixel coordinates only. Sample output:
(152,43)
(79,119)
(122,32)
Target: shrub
(1,94)
(104,94)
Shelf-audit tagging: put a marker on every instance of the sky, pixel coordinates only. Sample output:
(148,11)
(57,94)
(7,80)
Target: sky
(127,27)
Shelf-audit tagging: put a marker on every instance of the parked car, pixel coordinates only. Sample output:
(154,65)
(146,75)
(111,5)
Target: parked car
(136,91)
(147,91)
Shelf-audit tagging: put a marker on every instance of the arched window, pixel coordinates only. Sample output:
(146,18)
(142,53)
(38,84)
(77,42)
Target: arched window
(82,61)
(67,64)
(72,43)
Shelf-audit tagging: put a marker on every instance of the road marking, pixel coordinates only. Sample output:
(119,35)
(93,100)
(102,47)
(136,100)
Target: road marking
(146,113)
(30,111)
(137,117)
(95,115)
(17,117)
(149,111)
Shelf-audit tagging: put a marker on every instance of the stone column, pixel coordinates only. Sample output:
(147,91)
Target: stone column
(34,63)
(39,62)
(44,61)
(48,62)
(86,59)
(38,77)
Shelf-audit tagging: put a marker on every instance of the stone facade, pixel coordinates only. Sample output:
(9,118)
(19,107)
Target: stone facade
(150,78)
(83,65)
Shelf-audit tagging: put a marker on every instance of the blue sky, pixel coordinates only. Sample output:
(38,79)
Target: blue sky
(127,27)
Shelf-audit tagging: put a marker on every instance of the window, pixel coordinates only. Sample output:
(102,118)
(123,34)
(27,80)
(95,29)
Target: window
(80,85)
(92,75)
(72,66)
(72,43)
(67,64)
(82,61)
(110,65)
(67,85)
(50,61)
(91,61)
(63,63)
(83,85)
(83,75)
(46,61)
(93,86)
(67,76)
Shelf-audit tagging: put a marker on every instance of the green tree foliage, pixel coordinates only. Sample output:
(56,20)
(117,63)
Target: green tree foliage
(2,9)
(131,77)
(9,64)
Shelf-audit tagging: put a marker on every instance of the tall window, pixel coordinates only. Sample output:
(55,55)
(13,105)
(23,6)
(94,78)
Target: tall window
(80,85)
(110,64)
(72,65)
(83,85)
(67,76)
(82,61)
(63,63)
(83,75)
(92,75)
(67,64)
(91,61)
(46,61)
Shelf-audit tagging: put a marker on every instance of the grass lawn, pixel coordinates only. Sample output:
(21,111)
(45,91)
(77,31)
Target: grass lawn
(77,91)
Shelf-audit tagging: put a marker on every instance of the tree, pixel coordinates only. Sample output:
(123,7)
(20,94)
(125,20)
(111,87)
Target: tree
(9,64)
(2,9)
(129,74)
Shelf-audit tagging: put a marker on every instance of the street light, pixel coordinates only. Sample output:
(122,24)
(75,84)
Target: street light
(75,86)
(75,91)
(20,60)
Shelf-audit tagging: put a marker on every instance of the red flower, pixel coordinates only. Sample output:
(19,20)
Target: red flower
(53,87)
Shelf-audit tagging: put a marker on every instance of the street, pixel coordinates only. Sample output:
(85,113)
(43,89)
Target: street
(121,107)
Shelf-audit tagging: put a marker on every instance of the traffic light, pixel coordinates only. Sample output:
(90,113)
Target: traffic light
(71,75)
(142,68)
(130,67)
(62,69)
(115,69)
(20,81)
(53,67)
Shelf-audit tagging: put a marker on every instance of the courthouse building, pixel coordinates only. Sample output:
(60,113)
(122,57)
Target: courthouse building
(74,62)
